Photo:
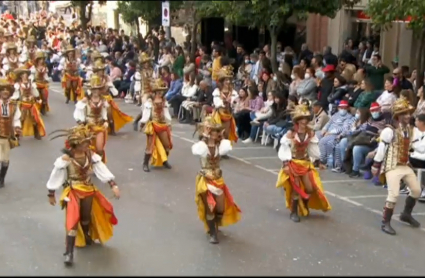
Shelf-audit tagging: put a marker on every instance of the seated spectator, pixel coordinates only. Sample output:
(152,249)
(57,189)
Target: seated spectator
(165,75)
(205,99)
(115,74)
(417,157)
(174,91)
(387,98)
(297,76)
(278,121)
(245,68)
(307,89)
(351,127)
(189,67)
(375,124)
(189,92)
(125,84)
(241,113)
(320,118)
(205,70)
(337,93)
(335,126)
(268,84)
(368,96)
(354,89)
(420,107)
(347,70)
(256,104)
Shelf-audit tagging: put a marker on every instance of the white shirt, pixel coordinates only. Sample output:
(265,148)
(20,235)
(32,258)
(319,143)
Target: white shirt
(418,145)
(386,100)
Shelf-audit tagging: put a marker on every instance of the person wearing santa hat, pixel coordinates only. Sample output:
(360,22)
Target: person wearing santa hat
(371,128)
(331,131)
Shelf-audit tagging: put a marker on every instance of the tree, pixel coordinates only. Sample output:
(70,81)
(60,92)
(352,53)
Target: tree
(132,10)
(274,14)
(386,12)
(82,7)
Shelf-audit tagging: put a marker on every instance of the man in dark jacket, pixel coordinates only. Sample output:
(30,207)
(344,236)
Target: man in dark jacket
(328,57)
(326,86)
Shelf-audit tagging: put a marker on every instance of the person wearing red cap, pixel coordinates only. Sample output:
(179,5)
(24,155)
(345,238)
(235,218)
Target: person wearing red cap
(391,163)
(332,130)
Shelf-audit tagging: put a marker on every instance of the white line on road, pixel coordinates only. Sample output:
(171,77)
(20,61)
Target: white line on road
(343,181)
(413,213)
(251,148)
(366,196)
(260,157)
(339,197)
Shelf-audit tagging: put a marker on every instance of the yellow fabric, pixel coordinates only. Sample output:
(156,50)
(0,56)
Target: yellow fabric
(159,155)
(233,137)
(314,202)
(28,125)
(231,214)
(120,118)
(100,227)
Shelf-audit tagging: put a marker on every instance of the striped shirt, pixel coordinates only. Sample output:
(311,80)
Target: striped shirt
(336,123)
(349,126)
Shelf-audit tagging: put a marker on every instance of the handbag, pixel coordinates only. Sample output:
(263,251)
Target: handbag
(360,139)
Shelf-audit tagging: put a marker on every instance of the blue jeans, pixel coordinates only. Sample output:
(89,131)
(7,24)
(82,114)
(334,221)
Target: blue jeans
(274,130)
(359,154)
(254,128)
(341,147)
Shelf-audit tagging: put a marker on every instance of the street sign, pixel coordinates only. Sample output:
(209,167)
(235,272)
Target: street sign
(166,14)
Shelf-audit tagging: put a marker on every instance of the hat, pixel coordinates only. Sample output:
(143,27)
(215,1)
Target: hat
(40,55)
(144,58)
(75,135)
(69,48)
(300,111)
(95,82)
(208,124)
(328,68)
(31,39)
(159,86)
(5,84)
(402,105)
(374,106)
(226,72)
(11,45)
(99,66)
(21,70)
(343,104)
(96,55)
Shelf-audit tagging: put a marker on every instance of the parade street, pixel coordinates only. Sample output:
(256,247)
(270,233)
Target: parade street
(159,233)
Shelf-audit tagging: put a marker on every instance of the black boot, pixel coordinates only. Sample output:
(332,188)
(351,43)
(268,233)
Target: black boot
(67,95)
(218,218)
(69,253)
(406,215)
(294,212)
(36,133)
(305,202)
(3,172)
(87,237)
(146,162)
(136,122)
(166,164)
(212,231)
(43,108)
(386,221)
(112,128)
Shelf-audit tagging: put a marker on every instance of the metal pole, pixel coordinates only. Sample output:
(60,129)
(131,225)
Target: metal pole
(168,28)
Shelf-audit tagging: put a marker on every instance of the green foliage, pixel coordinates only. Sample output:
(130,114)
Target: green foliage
(384,12)
(132,10)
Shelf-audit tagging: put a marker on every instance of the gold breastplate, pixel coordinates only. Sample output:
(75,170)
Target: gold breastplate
(299,150)
(211,164)
(79,169)
(94,113)
(158,111)
(398,149)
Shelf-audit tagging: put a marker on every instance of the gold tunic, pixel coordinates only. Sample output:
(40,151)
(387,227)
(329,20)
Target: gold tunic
(94,112)
(71,67)
(398,149)
(299,150)
(158,111)
(210,166)
(79,170)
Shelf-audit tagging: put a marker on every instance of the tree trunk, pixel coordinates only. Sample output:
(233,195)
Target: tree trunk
(83,17)
(273,38)
(194,42)
(137,27)
(420,58)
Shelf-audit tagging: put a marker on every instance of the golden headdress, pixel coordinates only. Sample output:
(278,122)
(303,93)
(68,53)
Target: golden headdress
(96,55)
(21,70)
(69,48)
(300,111)
(40,55)
(5,84)
(159,85)
(31,39)
(144,57)
(96,82)
(207,126)
(226,72)
(402,105)
(75,135)
(11,45)
(99,65)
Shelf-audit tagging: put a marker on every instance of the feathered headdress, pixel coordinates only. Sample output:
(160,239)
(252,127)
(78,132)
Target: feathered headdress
(300,111)
(402,105)
(74,136)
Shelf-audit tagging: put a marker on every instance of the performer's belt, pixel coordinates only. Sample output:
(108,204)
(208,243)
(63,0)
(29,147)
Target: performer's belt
(73,182)
(211,173)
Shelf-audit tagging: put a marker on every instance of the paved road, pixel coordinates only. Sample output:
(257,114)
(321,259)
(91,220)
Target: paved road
(159,233)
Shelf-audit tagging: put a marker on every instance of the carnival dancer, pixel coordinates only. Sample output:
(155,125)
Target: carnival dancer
(143,84)
(40,77)
(92,111)
(223,97)
(95,56)
(298,150)
(215,203)
(71,81)
(89,215)
(11,61)
(391,162)
(29,99)
(156,120)
(10,126)
(29,52)
(116,118)
(7,39)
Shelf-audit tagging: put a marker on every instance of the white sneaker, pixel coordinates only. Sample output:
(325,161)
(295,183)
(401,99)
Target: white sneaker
(247,141)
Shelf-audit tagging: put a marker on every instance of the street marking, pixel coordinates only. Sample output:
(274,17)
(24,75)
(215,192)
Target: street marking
(413,214)
(251,148)
(366,196)
(260,157)
(339,197)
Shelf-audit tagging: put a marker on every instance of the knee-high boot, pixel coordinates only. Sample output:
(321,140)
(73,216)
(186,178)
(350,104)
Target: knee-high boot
(136,122)
(406,215)
(386,221)
(67,95)
(87,237)
(3,171)
(146,162)
(166,164)
(36,133)
(69,252)
(212,230)
(294,211)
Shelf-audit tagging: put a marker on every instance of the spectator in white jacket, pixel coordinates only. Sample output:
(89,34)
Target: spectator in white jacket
(388,97)
(417,157)
(190,93)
